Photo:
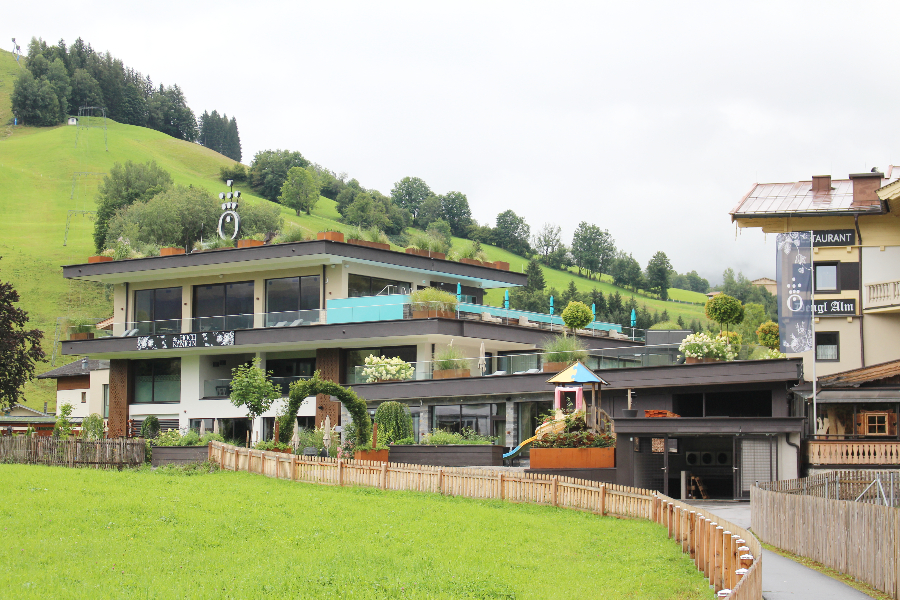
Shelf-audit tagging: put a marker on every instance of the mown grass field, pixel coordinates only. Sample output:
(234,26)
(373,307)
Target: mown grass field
(142,534)
(37,176)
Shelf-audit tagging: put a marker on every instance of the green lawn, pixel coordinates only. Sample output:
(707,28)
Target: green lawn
(76,533)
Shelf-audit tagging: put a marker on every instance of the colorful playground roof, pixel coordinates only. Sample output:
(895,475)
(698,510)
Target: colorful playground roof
(577,373)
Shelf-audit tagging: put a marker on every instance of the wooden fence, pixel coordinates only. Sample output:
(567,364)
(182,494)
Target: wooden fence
(720,549)
(834,452)
(869,487)
(99,454)
(803,516)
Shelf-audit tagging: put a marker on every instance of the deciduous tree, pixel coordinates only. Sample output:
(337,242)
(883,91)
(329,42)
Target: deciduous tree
(512,233)
(410,193)
(20,348)
(125,185)
(301,190)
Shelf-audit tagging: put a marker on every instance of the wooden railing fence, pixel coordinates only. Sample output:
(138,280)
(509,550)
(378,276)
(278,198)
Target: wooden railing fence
(869,487)
(99,454)
(728,555)
(817,517)
(835,452)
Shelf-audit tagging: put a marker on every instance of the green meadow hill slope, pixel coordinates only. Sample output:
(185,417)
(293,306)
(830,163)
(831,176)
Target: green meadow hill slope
(46,173)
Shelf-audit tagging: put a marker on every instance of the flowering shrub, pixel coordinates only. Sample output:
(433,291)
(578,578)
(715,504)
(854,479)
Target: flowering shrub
(381,368)
(700,345)
(773,353)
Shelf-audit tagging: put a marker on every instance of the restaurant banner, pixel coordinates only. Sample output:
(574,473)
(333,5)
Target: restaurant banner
(795,302)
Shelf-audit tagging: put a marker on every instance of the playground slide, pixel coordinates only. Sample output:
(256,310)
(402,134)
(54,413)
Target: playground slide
(550,427)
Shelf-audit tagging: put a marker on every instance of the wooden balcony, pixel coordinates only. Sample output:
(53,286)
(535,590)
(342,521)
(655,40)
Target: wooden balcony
(853,452)
(882,294)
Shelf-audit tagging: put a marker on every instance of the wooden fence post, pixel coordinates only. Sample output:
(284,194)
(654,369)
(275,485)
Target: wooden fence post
(554,486)
(501,492)
(602,499)
(711,551)
(440,481)
(670,514)
(340,470)
(692,534)
(719,533)
(383,479)
(293,467)
(727,564)
(735,561)
(701,544)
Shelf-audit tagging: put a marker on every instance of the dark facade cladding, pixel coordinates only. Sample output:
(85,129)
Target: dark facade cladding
(276,252)
(356,331)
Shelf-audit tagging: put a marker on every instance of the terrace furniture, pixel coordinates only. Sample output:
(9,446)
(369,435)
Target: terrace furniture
(310,451)
(487,317)
(496,373)
(524,322)
(296,323)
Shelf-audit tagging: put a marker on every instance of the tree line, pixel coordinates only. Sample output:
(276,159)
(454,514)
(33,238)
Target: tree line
(289,178)
(59,80)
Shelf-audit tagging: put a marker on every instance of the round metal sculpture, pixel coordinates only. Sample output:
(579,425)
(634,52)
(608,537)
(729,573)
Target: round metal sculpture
(229,213)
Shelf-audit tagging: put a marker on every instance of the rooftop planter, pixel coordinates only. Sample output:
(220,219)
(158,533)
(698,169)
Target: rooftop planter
(99,259)
(476,262)
(503,266)
(427,303)
(334,236)
(426,253)
(368,244)
(170,251)
(249,243)
(178,455)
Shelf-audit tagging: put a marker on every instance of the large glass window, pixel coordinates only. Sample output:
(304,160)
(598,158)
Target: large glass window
(363,285)
(826,277)
(357,358)
(292,301)
(827,346)
(105,400)
(157,381)
(285,371)
(477,417)
(223,306)
(157,311)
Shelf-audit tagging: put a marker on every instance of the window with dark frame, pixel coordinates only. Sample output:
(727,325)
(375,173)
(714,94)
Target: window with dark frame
(157,381)
(223,306)
(292,300)
(363,285)
(826,277)
(877,423)
(827,346)
(157,310)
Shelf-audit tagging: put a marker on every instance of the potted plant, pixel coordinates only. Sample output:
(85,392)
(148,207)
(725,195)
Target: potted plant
(81,329)
(561,351)
(450,362)
(431,302)
(575,447)
(699,347)
(381,368)
(334,236)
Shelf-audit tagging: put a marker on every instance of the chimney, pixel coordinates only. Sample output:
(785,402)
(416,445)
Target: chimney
(864,186)
(821,184)
(84,363)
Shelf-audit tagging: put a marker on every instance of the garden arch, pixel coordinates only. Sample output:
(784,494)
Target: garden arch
(301,390)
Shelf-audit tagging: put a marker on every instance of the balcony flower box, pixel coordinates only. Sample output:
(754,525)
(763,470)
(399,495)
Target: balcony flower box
(433,314)
(450,373)
(372,455)
(170,251)
(83,335)
(554,367)
(476,262)
(334,236)
(248,243)
(503,266)
(454,455)
(99,259)
(426,253)
(368,244)
(573,458)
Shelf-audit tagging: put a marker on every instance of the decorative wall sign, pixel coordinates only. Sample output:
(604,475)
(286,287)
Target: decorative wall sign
(840,307)
(169,341)
(834,237)
(794,274)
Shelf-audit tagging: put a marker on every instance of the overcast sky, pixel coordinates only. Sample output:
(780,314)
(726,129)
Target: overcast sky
(649,119)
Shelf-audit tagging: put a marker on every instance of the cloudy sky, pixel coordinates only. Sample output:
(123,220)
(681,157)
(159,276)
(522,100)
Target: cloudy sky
(650,119)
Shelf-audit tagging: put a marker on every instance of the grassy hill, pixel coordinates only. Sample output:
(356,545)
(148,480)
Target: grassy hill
(39,189)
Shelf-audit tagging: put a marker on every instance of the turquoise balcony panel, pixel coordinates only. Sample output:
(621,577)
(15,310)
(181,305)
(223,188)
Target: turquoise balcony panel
(366,308)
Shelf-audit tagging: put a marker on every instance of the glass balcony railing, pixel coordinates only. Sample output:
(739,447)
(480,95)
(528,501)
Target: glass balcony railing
(221,388)
(368,309)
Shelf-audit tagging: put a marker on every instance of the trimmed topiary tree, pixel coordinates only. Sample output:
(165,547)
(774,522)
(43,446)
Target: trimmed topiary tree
(768,334)
(394,422)
(150,427)
(301,390)
(724,310)
(577,315)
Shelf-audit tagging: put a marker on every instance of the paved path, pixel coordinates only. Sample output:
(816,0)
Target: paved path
(784,579)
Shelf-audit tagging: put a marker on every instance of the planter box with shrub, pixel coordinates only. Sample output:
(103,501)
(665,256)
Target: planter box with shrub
(99,259)
(334,236)
(368,244)
(450,373)
(170,251)
(248,243)
(462,455)
(178,455)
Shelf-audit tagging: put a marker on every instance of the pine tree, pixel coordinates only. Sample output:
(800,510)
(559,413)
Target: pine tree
(535,275)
